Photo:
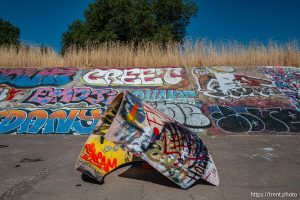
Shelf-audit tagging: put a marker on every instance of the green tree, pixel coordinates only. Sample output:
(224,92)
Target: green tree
(131,21)
(9,34)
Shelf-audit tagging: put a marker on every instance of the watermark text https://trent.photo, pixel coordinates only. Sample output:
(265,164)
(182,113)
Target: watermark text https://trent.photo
(274,194)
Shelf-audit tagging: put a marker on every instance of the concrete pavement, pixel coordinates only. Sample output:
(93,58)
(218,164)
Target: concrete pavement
(42,167)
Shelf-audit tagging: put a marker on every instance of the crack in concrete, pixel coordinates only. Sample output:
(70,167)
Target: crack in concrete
(143,194)
(27,160)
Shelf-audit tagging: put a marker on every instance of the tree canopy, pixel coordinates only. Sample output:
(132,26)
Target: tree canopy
(9,34)
(131,21)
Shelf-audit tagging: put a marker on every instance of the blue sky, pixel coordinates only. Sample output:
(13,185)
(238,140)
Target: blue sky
(43,22)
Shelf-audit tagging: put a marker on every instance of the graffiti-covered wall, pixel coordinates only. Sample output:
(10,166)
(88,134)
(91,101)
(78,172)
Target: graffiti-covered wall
(71,101)
(250,100)
(214,100)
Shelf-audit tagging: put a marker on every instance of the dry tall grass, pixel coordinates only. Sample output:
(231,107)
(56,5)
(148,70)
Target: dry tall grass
(200,53)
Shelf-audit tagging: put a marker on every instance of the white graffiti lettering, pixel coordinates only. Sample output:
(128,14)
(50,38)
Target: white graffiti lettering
(238,86)
(134,77)
(3,93)
(187,114)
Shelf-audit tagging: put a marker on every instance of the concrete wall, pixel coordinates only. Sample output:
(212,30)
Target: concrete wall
(214,100)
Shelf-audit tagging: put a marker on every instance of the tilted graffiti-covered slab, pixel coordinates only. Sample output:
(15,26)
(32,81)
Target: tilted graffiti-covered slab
(168,146)
(100,156)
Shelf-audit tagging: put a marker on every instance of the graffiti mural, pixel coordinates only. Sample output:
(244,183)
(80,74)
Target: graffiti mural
(201,76)
(184,96)
(224,84)
(287,79)
(251,120)
(44,96)
(236,89)
(45,121)
(23,91)
(187,114)
(31,77)
(139,77)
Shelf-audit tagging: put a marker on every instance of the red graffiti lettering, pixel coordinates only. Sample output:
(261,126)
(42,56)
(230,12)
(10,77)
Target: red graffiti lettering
(155,118)
(252,81)
(8,94)
(98,159)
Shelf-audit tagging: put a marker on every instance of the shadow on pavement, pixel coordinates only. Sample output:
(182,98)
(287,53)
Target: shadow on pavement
(149,174)
(144,172)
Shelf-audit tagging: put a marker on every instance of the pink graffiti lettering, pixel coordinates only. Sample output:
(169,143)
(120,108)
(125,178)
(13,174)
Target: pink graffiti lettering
(44,96)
